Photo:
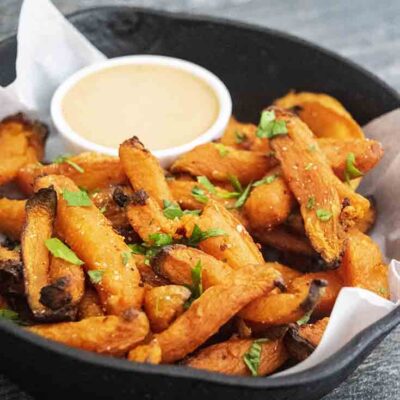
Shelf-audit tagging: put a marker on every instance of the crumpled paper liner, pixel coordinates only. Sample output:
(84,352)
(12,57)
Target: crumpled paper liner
(50,49)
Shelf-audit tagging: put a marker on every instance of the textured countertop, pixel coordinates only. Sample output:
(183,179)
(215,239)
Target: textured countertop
(367,32)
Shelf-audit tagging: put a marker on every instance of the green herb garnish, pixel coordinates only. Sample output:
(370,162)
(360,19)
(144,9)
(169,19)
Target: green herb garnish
(66,159)
(76,199)
(173,210)
(305,318)
(252,358)
(351,170)
(95,275)
(200,195)
(243,197)
(198,235)
(196,287)
(160,239)
(9,315)
(236,183)
(137,248)
(267,179)
(308,166)
(222,149)
(269,126)
(240,137)
(312,148)
(204,181)
(126,256)
(103,209)
(323,215)
(310,203)
(58,249)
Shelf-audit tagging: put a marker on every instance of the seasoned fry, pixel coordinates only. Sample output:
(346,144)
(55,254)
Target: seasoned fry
(110,335)
(82,228)
(363,265)
(301,341)
(214,308)
(67,285)
(163,304)
(284,308)
(40,214)
(90,171)
(146,353)
(90,305)
(325,116)
(236,245)
(144,170)
(366,223)
(228,357)
(21,143)
(12,217)
(309,177)
(269,205)
(11,272)
(208,160)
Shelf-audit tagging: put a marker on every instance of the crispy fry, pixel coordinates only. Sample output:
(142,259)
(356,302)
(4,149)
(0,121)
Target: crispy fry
(363,265)
(146,353)
(214,308)
(366,223)
(228,357)
(269,205)
(309,177)
(163,304)
(208,160)
(97,171)
(110,335)
(40,214)
(11,272)
(236,245)
(144,170)
(301,341)
(66,287)
(90,305)
(21,143)
(177,261)
(325,116)
(12,217)
(82,228)
(284,308)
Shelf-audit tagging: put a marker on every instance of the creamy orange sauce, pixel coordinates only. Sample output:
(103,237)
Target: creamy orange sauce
(163,106)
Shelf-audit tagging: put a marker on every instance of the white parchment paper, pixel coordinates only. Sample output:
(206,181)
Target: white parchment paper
(50,49)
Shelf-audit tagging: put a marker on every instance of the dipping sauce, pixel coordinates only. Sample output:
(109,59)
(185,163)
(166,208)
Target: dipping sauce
(164,106)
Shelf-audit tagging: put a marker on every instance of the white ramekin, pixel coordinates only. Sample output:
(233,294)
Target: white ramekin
(74,143)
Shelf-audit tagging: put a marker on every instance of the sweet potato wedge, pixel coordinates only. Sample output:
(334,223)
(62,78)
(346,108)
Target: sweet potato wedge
(228,357)
(146,353)
(144,170)
(301,341)
(11,272)
(90,305)
(40,214)
(208,160)
(95,171)
(325,116)
(314,185)
(163,304)
(284,308)
(110,335)
(235,246)
(269,205)
(21,143)
(12,217)
(66,285)
(363,265)
(82,228)
(214,308)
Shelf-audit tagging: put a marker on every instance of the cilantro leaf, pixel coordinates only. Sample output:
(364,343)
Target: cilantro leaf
(240,137)
(323,215)
(269,126)
(198,235)
(160,239)
(58,249)
(204,181)
(95,275)
(76,199)
(137,248)
(243,197)
(171,210)
(66,159)
(351,170)
(196,287)
(252,358)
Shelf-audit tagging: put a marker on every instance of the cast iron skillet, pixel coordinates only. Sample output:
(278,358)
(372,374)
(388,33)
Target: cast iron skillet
(257,65)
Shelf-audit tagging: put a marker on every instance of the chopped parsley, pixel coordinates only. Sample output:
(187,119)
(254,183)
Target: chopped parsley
(137,248)
(351,170)
(269,127)
(310,203)
(172,210)
(76,199)
(196,287)
(240,137)
(160,239)
(59,250)
(222,149)
(66,159)
(323,215)
(243,197)
(267,179)
(198,235)
(252,357)
(200,195)
(95,275)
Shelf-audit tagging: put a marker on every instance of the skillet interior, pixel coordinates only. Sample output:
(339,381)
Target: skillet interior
(257,65)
